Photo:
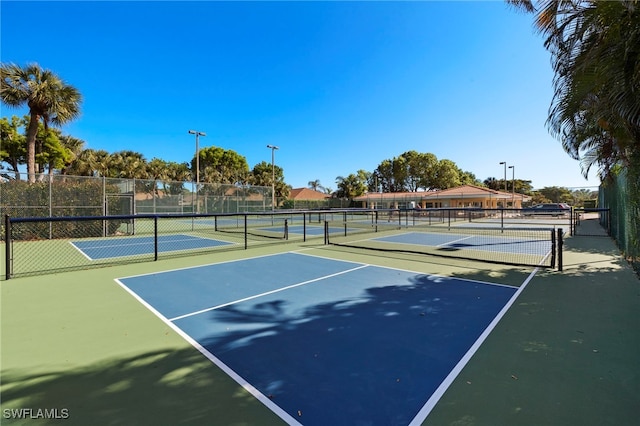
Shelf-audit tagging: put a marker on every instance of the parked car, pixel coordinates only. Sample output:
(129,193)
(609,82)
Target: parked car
(549,209)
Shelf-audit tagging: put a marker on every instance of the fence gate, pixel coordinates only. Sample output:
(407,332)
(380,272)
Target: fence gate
(117,205)
(591,222)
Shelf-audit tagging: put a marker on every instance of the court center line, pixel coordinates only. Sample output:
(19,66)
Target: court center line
(266,293)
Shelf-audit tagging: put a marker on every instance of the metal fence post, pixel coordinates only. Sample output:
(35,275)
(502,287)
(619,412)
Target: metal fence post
(7,245)
(155,238)
(50,205)
(560,245)
(246,239)
(104,205)
(326,232)
(554,248)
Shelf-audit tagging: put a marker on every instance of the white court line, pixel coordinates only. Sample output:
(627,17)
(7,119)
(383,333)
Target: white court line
(406,270)
(455,241)
(81,251)
(235,376)
(428,234)
(446,244)
(265,293)
(114,246)
(204,265)
(130,242)
(427,407)
(300,252)
(435,397)
(416,244)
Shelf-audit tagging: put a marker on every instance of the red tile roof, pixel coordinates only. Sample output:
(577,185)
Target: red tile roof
(463,191)
(307,194)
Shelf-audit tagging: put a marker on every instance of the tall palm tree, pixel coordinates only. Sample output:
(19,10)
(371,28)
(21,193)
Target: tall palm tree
(351,186)
(157,170)
(316,185)
(81,165)
(177,174)
(75,147)
(49,99)
(130,164)
(597,92)
(595,110)
(102,163)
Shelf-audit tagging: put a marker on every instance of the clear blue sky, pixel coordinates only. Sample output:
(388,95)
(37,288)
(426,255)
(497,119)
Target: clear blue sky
(338,86)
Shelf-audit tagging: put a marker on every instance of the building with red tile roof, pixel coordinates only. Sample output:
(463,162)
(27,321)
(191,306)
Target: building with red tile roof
(459,197)
(306,194)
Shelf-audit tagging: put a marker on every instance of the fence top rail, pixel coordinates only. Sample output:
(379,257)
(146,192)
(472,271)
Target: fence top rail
(166,216)
(266,213)
(191,215)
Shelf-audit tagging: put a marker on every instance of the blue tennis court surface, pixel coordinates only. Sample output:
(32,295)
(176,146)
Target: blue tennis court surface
(472,242)
(328,342)
(133,246)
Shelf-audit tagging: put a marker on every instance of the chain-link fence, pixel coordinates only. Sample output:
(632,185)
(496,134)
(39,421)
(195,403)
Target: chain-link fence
(40,245)
(622,196)
(327,203)
(61,195)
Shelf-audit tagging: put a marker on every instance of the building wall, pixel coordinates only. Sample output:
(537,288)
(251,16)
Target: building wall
(432,203)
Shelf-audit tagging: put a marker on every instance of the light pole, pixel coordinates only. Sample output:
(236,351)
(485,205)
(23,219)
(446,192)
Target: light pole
(273,176)
(505,176)
(513,186)
(198,134)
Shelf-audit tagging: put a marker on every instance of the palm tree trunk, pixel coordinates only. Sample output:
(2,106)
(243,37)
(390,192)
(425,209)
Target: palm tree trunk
(32,132)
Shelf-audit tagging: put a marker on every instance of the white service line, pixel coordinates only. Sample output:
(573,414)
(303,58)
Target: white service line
(265,293)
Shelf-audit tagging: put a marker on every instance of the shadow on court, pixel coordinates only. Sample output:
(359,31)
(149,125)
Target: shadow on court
(373,358)
(155,388)
(566,353)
